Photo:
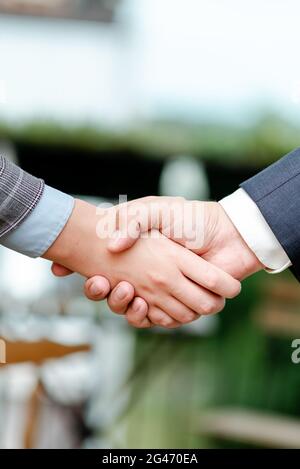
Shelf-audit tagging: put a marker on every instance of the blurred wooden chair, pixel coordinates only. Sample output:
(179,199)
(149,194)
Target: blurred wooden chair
(253,428)
(277,315)
(37,353)
(279,312)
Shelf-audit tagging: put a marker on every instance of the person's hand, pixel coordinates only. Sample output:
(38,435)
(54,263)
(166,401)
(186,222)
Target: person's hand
(121,299)
(163,273)
(202,227)
(215,238)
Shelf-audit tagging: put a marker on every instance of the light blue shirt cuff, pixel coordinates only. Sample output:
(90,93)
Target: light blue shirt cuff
(42,226)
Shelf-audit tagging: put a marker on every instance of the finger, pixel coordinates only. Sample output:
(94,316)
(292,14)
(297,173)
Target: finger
(132,219)
(121,297)
(160,318)
(122,240)
(136,314)
(197,298)
(96,288)
(177,310)
(60,271)
(209,276)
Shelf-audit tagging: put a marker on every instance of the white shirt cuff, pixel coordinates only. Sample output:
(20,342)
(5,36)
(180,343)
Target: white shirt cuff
(42,226)
(256,232)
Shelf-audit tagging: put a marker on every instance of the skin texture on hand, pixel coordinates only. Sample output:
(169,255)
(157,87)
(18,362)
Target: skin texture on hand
(222,244)
(98,288)
(162,272)
(121,299)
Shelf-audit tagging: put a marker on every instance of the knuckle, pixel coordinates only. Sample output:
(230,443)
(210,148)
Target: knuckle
(235,290)
(154,317)
(211,280)
(161,320)
(209,307)
(176,289)
(166,322)
(213,306)
(159,280)
(188,317)
(220,305)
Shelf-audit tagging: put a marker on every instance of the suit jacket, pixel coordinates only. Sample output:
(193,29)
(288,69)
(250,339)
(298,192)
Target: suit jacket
(19,194)
(276,192)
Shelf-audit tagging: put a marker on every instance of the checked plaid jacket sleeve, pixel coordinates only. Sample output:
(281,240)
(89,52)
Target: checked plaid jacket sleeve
(19,194)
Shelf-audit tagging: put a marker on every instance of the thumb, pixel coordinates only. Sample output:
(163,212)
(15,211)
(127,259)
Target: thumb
(123,240)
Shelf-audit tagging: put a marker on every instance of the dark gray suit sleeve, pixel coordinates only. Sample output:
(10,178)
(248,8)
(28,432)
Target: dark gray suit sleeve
(276,191)
(19,194)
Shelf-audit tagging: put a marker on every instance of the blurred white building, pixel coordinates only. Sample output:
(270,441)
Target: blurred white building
(187,58)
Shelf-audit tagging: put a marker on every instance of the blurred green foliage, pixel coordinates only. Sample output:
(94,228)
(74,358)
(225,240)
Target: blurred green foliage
(261,143)
(178,377)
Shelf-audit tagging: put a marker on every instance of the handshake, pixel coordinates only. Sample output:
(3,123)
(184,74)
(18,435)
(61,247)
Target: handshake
(159,260)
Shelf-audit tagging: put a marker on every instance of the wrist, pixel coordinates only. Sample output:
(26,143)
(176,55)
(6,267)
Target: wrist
(78,247)
(225,245)
(250,222)
(247,258)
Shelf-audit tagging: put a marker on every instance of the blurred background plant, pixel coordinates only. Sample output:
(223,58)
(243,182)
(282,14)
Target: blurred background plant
(143,97)
(258,144)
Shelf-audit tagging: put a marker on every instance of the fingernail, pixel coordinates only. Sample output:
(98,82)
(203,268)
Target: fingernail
(136,306)
(95,290)
(121,293)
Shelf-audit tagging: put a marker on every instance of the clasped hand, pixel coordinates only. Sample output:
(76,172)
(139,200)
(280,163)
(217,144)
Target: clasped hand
(151,279)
